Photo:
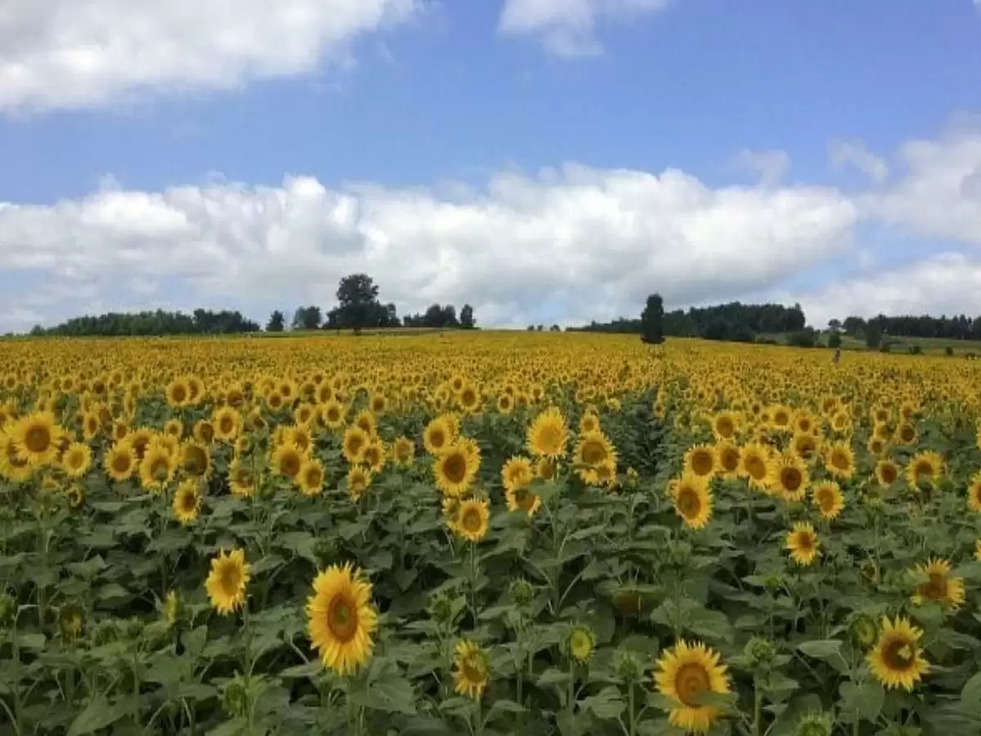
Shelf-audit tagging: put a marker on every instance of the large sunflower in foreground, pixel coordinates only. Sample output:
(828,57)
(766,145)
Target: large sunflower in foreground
(455,468)
(36,438)
(547,435)
(897,660)
(685,672)
(227,581)
(471,669)
(789,477)
(692,499)
(940,586)
(802,542)
(701,460)
(341,618)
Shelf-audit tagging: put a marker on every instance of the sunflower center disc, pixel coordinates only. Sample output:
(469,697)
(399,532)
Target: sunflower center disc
(691,681)
(37,439)
(342,618)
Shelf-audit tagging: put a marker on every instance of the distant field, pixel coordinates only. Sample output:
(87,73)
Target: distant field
(929,345)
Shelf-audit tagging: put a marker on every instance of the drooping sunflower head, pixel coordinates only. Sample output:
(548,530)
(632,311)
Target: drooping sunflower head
(548,434)
(897,659)
(802,542)
(692,499)
(472,517)
(471,669)
(546,468)
(522,498)
(701,460)
(341,618)
(187,501)
(195,459)
(828,498)
(686,672)
(227,582)
(939,586)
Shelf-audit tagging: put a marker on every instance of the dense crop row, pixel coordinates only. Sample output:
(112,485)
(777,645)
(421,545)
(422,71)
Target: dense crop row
(486,533)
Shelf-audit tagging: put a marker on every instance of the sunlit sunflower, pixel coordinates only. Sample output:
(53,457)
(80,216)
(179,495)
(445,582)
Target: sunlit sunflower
(332,414)
(939,587)
(839,460)
(589,422)
(403,451)
(353,443)
(241,479)
(805,445)
(310,479)
(120,461)
(471,669)
(974,493)
(374,455)
(686,672)
(522,498)
(692,499)
(547,434)
(77,459)
(828,498)
(517,472)
(178,392)
(472,519)
(897,659)
(728,459)
(802,542)
(924,468)
(455,468)
(157,467)
(227,423)
(437,436)
(789,477)
(725,425)
(754,465)
(227,581)
(358,481)
(594,449)
(36,437)
(700,460)
(187,500)
(876,445)
(341,618)
(287,459)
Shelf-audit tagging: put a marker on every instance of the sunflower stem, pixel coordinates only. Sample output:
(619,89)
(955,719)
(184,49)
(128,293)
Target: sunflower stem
(757,707)
(631,714)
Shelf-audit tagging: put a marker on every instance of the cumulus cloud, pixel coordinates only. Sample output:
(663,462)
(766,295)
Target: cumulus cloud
(567,245)
(855,153)
(945,283)
(568,27)
(940,193)
(771,166)
(69,53)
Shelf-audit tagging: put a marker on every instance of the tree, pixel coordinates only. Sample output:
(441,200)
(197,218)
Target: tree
(467,320)
(854,326)
(307,318)
(873,334)
(359,306)
(276,322)
(834,325)
(652,320)
(555,328)
(834,340)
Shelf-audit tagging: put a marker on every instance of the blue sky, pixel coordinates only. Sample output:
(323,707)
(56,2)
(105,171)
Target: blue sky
(509,153)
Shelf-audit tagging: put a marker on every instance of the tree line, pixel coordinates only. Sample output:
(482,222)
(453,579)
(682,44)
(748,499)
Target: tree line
(158,322)
(959,327)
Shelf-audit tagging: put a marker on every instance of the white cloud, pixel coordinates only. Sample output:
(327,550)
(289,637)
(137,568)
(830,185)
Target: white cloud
(945,283)
(940,194)
(855,153)
(568,27)
(771,166)
(77,53)
(570,245)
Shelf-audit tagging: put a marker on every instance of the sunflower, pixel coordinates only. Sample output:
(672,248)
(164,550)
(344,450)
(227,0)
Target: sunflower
(77,459)
(692,499)
(789,477)
(939,586)
(299,435)
(505,403)
(195,459)
(227,423)
(187,501)
(974,493)
(725,425)
(547,434)
(754,465)
(403,451)
(374,455)
(178,392)
(204,432)
(727,455)
(310,479)
(580,643)
(174,428)
(472,517)
(685,672)
(365,419)
(517,472)
(471,669)
(876,445)
(802,542)
(886,472)
(522,498)
(120,461)
(589,422)
(546,468)
(455,468)
(36,438)
(437,435)
(341,618)
(924,468)
(977,549)
(805,445)
(839,460)
(906,434)
(828,498)
(241,480)
(897,660)
(157,467)
(358,481)
(287,459)
(227,581)
(332,414)
(700,460)
(353,444)
(594,449)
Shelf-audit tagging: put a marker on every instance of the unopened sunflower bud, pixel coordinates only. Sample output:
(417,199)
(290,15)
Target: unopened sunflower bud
(628,666)
(760,651)
(814,724)
(522,591)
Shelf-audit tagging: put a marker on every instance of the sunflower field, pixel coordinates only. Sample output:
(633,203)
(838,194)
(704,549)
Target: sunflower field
(487,533)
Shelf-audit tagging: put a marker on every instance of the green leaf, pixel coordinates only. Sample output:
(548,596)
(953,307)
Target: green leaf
(391,693)
(501,707)
(607,703)
(821,648)
(99,713)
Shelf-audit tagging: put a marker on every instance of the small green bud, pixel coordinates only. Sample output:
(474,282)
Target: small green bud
(234,698)
(760,651)
(522,591)
(628,666)
(864,630)
(814,724)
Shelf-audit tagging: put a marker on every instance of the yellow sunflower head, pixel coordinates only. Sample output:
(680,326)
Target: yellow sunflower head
(227,582)
(187,501)
(839,460)
(924,468)
(354,442)
(341,618)
(938,585)
(471,669)
(897,659)
(886,472)
(310,479)
(828,498)
(472,517)
(754,465)
(455,468)
(692,499)
(686,672)
(76,460)
(802,542)
(701,460)
(789,477)
(548,434)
